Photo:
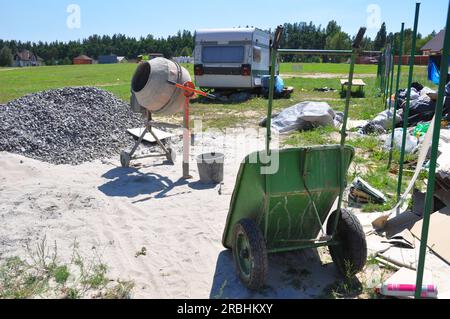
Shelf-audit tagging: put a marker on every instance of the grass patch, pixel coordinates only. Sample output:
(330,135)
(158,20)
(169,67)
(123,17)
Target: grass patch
(43,275)
(332,68)
(319,136)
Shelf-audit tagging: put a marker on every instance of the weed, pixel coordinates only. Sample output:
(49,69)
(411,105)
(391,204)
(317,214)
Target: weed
(45,276)
(61,274)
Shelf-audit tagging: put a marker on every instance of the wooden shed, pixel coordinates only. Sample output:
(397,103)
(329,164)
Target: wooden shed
(82,59)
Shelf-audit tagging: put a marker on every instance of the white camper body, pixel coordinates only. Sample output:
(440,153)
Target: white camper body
(231,58)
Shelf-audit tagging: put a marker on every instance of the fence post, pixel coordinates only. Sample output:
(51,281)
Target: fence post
(399,72)
(434,154)
(408,102)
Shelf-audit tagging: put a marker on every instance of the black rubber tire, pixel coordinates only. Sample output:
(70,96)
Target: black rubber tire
(258,254)
(350,256)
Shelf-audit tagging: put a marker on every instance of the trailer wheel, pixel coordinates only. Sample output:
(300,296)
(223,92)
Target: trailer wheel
(350,255)
(125,159)
(250,254)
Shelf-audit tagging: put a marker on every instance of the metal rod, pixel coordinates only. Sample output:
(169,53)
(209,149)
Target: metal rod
(342,170)
(321,52)
(315,52)
(434,155)
(380,73)
(271,97)
(269,136)
(344,135)
(399,71)
(392,75)
(139,141)
(408,102)
(387,74)
(186,141)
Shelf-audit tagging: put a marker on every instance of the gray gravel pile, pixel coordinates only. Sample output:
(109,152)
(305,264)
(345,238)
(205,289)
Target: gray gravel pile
(67,126)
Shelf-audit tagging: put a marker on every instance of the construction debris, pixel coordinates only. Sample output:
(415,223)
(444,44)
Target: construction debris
(66,126)
(305,116)
(363,192)
(439,235)
(403,284)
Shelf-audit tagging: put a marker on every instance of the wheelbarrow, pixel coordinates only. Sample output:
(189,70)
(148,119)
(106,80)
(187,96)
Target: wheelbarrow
(287,210)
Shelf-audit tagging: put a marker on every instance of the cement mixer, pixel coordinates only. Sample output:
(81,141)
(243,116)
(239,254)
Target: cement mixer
(162,87)
(152,90)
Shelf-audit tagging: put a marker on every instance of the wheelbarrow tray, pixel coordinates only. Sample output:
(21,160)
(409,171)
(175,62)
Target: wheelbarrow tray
(308,180)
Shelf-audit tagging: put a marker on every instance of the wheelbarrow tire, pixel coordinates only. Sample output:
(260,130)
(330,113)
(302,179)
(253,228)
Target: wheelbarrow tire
(350,255)
(254,274)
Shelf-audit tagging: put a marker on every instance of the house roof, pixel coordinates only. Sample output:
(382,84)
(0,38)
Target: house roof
(436,44)
(25,55)
(83,57)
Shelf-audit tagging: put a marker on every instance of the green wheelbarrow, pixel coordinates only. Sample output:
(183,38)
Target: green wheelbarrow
(286,210)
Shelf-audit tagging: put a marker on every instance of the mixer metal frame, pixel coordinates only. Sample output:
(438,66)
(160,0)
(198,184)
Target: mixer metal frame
(169,154)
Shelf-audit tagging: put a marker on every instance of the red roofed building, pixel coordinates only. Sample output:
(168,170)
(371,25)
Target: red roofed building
(82,59)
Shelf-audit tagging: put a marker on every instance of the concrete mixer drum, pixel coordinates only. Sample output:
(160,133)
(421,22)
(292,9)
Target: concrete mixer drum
(152,91)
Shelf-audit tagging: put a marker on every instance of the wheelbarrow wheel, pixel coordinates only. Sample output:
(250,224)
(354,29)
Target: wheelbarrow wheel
(250,254)
(350,255)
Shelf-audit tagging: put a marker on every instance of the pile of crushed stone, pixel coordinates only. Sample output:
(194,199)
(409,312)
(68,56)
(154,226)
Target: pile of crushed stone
(67,126)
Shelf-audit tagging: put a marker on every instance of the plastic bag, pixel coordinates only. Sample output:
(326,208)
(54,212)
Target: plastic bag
(304,116)
(412,143)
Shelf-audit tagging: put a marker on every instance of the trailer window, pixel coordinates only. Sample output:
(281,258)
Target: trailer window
(257,52)
(223,54)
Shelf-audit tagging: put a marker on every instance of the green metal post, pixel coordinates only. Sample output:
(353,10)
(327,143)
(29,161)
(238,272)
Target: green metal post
(399,71)
(274,54)
(408,102)
(356,47)
(387,74)
(384,72)
(271,96)
(434,155)
(392,75)
(380,70)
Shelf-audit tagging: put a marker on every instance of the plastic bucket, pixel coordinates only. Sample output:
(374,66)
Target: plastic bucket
(210,168)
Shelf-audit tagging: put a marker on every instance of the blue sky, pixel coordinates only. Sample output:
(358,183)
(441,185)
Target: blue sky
(46,20)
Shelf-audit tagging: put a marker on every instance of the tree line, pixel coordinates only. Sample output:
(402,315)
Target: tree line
(297,35)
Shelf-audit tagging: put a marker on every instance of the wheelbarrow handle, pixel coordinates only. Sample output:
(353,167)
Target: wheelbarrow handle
(359,38)
(277,38)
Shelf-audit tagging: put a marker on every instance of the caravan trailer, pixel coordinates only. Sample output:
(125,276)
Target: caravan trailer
(231,58)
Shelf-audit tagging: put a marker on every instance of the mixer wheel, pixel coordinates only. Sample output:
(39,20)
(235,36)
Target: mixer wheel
(125,159)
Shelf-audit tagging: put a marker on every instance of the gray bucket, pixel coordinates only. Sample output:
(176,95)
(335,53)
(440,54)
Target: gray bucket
(210,168)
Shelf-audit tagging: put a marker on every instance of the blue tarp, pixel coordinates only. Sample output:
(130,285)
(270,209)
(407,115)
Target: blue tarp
(434,69)
(279,84)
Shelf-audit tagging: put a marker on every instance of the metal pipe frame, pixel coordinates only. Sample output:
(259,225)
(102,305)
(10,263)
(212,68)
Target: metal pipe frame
(408,102)
(387,75)
(392,75)
(434,154)
(397,86)
(321,52)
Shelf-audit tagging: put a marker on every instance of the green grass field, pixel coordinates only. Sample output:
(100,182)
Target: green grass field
(370,162)
(331,68)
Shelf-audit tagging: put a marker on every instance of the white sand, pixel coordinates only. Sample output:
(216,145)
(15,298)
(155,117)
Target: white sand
(118,211)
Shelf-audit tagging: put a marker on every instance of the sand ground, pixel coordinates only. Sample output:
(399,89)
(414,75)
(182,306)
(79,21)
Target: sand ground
(117,212)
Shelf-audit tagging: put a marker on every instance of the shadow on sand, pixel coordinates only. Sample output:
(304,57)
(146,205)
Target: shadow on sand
(131,183)
(293,275)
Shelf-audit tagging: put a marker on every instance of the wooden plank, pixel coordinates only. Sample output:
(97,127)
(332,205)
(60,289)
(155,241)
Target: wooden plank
(356,82)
